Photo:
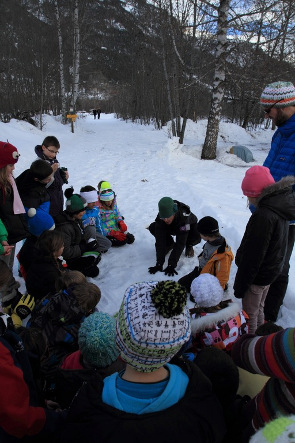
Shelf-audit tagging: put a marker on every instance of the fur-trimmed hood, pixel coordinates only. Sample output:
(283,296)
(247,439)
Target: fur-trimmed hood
(280,198)
(207,321)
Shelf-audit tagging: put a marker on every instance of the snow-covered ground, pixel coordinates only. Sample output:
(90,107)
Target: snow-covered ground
(143,164)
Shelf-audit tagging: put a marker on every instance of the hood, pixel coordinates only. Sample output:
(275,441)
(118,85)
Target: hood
(183,208)
(280,198)
(40,154)
(209,320)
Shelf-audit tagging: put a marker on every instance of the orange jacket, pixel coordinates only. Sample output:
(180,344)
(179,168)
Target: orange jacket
(219,264)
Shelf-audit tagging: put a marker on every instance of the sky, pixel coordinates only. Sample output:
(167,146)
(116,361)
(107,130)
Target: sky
(143,165)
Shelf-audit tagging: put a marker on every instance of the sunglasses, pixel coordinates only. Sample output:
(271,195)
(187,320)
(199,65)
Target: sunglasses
(267,111)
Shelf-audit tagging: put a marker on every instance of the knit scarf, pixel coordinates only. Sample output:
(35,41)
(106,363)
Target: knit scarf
(18,207)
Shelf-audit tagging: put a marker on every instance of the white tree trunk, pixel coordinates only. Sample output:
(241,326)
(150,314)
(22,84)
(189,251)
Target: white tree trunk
(76,56)
(209,148)
(61,64)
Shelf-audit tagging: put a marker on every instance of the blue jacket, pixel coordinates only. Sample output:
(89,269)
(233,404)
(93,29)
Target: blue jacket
(92,218)
(281,157)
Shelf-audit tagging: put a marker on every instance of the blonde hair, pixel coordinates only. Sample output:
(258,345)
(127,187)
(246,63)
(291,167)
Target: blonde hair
(4,181)
(70,278)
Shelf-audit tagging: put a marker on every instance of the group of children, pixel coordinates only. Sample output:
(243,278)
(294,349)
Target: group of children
(69,343)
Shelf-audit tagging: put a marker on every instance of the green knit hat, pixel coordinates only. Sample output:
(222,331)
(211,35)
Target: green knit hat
(97,339)
(167,207)
(75,203)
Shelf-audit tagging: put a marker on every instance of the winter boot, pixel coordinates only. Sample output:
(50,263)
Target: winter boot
(186,280)
(189,251)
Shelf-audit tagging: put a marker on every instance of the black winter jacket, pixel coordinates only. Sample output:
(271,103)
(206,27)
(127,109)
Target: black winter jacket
(73,234)
(15,224)
(42,275)
(196,417)
(32,192)
(55,189)
(184,221)
(261,254)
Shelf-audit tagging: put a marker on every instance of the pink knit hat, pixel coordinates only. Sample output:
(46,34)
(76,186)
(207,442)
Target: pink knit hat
(256,179)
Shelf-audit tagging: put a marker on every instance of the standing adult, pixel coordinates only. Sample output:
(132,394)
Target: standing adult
(94,113)
(174,219)
(278,101)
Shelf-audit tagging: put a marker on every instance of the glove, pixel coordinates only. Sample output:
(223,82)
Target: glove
(154,269)
(91,245)
(170,271)
(118,235)
(129,238)
(24,306)
(122,226)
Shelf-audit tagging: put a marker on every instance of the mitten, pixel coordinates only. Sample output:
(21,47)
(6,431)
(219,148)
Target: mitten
(154,269)
(170,271)
(92,245)
(24,307)
(118,235)
(130,238)
(122,226)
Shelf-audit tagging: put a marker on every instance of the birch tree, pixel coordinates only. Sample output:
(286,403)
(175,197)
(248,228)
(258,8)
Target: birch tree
(61,62)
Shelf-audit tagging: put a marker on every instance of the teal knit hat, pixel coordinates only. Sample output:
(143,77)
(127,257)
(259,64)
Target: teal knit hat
(97,339)
(278,95)
(167,207)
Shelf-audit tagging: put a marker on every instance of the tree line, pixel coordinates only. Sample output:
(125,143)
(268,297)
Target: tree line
(149,61)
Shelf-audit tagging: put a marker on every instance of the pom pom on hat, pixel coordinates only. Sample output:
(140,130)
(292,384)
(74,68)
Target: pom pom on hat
(206,290)
(278,94)
(208,226)
(167,207)
(97,339)
(280,430)
(256,179)
(39,221)
(150,330)
(74,203)
(8,154)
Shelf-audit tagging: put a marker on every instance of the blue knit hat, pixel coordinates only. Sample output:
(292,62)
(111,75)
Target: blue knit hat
(97,339)
(39,220)
(106,195)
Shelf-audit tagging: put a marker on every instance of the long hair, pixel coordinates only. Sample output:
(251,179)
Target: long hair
(50,242)
(4,182)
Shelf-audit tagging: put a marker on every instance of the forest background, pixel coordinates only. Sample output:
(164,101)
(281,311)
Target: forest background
(146,61)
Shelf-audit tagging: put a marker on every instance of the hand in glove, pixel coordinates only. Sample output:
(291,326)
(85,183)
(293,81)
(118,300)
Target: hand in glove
(170,271)
(24,306)
(154,269)
(92,245)
(122,226)
(118,235)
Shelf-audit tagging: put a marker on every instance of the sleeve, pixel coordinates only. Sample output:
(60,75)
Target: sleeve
(222,268)
(17,417)
(272,152)
(272,355)
(252,251)
(178,248)
(3,232)
(70,251)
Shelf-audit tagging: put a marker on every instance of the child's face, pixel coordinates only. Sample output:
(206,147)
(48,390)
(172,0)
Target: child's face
(91,205)
(108,203)
(79,215)
(50,152)
(59,252)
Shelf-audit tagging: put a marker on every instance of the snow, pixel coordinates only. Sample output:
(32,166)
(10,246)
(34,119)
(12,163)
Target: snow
(143,164)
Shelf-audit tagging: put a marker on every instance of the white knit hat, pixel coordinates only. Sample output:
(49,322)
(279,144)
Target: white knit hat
(206,290)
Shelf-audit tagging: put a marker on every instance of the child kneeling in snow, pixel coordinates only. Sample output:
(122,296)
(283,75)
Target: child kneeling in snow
(214,322)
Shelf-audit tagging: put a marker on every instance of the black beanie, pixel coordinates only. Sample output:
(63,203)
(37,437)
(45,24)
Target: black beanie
(208,226)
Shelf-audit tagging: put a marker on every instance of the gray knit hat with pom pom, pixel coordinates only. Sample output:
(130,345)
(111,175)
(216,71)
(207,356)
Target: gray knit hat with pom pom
(153,323)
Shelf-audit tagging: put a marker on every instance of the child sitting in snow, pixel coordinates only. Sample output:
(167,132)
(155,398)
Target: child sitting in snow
(91,220)
(216,257)
(214,322)
(113,225)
